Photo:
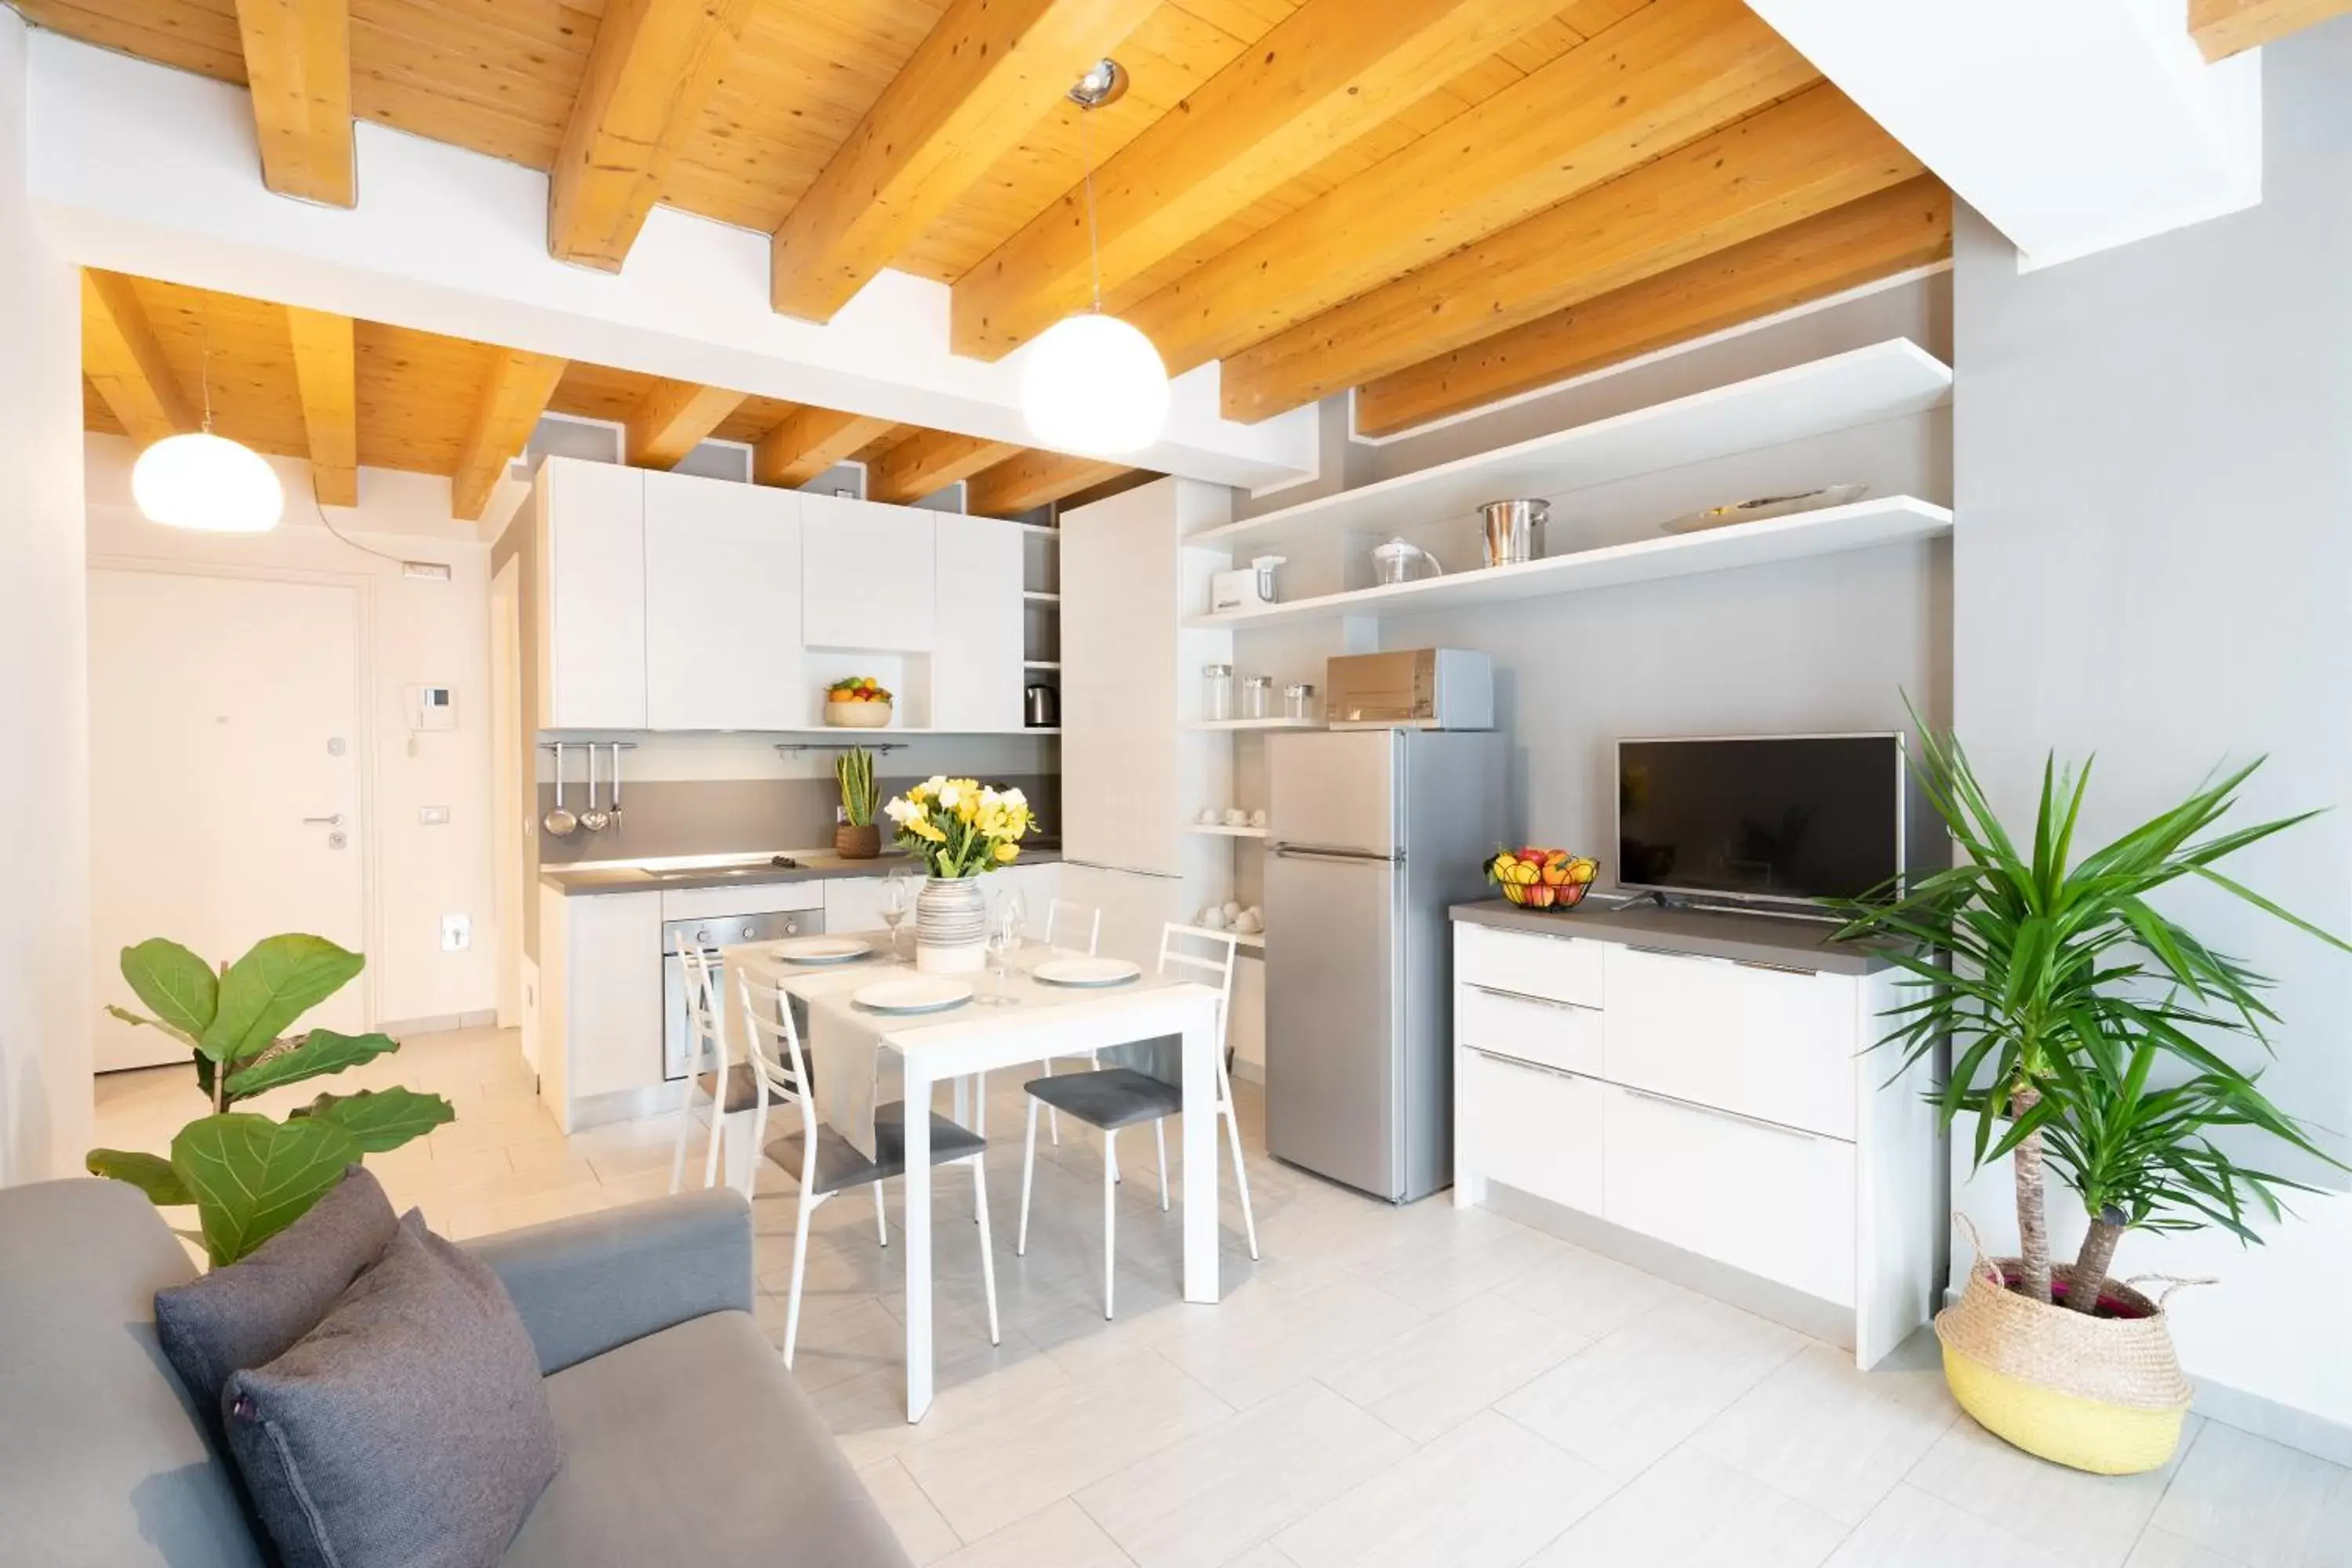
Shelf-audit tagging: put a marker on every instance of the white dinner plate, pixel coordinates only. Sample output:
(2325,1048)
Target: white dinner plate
(1087,972)
(821,950)
(925,994)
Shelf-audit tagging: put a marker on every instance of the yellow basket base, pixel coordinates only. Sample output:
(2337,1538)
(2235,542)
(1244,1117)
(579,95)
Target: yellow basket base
(2065,1428)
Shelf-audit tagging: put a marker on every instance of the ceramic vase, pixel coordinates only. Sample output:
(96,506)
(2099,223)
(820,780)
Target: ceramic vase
(950,926)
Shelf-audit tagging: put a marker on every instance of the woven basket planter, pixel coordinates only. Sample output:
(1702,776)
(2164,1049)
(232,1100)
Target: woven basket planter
(2100,1394)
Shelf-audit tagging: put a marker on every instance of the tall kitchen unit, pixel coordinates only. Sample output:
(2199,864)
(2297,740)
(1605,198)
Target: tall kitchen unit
(1134,770)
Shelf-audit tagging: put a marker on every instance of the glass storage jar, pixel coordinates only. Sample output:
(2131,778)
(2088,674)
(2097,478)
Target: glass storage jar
(1216,692)
(1299,701)
(1258,697)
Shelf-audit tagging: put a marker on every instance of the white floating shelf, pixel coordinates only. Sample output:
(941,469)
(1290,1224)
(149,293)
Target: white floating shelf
(1859,526)
(1220,830)
(1884,380)
(1248,723)
(1254,940)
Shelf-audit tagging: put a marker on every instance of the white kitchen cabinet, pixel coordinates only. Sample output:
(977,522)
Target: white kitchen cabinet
(1773,1044)
(1541,1129)
(722,606)
(977,680)
(1137,907)
(868,577)
(600,1004)
(591,543)
(852,904)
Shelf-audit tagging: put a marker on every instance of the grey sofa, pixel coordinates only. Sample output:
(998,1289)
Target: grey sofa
(685,1439)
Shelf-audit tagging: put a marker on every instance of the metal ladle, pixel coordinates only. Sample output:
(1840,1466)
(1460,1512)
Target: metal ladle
(560,822)
(596,820)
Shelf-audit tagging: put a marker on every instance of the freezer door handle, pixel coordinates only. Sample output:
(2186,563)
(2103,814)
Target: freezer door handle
(1336,857)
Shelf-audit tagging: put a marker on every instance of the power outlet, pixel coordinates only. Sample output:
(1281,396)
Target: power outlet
(456,932)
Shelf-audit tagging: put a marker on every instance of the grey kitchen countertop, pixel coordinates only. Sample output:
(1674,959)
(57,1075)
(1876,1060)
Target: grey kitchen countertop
(815,865)
(1704,933)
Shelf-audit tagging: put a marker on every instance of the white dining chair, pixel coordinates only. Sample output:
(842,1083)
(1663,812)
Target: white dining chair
(1114,1098)
(1063,919)
(824,1162)
(709,1077)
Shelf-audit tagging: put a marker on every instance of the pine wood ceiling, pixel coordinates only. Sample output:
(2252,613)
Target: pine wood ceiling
(1424,198)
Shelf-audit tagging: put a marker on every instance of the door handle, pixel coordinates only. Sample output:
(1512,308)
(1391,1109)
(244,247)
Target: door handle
(334,821)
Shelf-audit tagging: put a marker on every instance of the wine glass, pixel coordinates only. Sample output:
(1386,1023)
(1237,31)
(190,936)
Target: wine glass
(1003,941)
(897,902)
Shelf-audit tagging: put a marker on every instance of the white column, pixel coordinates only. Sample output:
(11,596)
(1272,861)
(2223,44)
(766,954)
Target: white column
(44,1034)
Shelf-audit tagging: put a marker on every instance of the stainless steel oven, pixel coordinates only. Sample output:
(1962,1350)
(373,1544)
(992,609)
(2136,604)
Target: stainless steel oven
(709,936)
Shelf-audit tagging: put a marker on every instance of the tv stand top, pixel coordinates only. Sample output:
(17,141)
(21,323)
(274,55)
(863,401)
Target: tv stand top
(1743,936)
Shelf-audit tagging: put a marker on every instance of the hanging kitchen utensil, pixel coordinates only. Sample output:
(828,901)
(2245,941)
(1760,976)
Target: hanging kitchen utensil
(619,747)
(596,820)
(560,822)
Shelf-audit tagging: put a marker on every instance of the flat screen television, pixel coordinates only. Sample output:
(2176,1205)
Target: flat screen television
(1764,818)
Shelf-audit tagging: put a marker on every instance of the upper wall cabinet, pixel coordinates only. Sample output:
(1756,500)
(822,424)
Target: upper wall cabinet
(868,579)
(591,519)
(722,596)
(977,677)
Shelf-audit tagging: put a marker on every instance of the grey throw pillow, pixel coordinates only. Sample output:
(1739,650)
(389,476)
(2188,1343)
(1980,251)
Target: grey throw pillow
(253,1309)
(408,1429)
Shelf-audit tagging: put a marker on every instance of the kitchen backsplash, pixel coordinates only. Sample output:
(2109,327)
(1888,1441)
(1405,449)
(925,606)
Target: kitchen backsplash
(721,816)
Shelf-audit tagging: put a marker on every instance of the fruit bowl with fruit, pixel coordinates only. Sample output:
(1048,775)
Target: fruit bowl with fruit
(1543,878)
(857,702)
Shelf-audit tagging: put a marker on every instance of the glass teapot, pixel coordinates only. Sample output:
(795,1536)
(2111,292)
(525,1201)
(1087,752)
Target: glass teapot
(1395,561)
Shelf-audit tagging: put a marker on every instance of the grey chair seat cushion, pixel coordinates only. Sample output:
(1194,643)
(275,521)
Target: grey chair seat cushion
(742,1088)
(694,1446)
(838,1165)
(1110,1099)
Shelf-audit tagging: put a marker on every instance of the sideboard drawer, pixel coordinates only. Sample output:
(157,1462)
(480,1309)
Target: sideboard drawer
(1532,1028)
(1774,1044)
(1555,968)
(1532,1128)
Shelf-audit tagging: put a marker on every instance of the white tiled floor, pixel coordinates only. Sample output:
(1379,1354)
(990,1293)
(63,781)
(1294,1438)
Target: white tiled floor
(1386,1389)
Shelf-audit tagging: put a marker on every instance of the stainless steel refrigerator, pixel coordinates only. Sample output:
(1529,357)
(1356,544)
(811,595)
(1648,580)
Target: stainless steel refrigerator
(1372,835)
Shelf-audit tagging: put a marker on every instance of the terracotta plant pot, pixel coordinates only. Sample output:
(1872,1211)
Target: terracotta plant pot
(857,843)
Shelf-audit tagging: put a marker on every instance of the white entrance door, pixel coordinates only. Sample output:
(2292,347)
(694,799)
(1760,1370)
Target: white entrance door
(224,777)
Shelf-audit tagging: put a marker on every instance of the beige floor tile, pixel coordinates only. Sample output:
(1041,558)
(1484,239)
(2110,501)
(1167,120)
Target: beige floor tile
(1912,1530)
(1690,1511)
(2089,1520)
(917,1525)
(869,1412)
(1060,1535)
(2162,1549)
(1001,1468)
(1595,1296)
(1829,1434)
(2259,1503)
(1441,1374)
(1488,1494)
(1199,1502)
(1460,1263)
(1249,1350)
(1622,1403)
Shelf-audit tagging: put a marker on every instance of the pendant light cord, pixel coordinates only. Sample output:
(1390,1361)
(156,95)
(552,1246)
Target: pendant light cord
(1093,230)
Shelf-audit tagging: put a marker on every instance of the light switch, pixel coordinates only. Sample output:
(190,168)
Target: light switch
(456,932)
(432,815)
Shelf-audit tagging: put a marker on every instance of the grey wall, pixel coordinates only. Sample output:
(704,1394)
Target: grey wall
(2153,464)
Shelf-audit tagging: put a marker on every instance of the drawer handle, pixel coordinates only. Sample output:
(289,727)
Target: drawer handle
(1718,1112)
(1676,952)
(1777,968)
(1523,996)
(1509,1061)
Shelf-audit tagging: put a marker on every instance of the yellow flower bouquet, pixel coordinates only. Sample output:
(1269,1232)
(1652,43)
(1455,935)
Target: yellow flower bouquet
(960,827)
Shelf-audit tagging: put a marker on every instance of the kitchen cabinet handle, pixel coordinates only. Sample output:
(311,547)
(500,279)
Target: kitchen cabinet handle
(1775,968)
(1537,1001)
(1676,952)
(1718,1111)
(1510,1061)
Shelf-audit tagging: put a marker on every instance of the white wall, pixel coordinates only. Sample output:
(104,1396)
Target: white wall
(44,1037)
(418,633)
(2153,562)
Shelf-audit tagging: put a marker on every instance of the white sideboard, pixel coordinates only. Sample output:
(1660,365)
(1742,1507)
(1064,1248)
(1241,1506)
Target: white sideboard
(1726,1108)
(669,601)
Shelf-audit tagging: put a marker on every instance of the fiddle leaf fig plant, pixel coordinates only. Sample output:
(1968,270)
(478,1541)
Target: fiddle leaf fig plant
(249,1176)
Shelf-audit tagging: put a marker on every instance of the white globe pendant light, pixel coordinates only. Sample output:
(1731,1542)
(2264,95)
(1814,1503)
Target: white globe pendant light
(1091,382)
(209,483)
(206,482)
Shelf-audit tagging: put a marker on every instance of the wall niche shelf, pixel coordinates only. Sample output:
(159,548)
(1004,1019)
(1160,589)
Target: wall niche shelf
(1859,526)
(1883,381)
(1215,621)
(1252,940)
(1219,830)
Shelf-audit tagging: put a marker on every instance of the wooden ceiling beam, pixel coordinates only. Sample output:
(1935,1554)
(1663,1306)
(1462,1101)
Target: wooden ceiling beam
(126,364)
(673,418)
(1328,73)
(988,71)
(1862,242)
(1801,157)
(511,401)
(2226,27)
(652,69)
(1031,480)
(930,461)
(808,442)
(326,374)
(298,65)
(1666,75)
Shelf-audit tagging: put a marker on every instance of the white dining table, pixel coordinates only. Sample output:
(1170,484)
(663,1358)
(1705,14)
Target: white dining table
(952,1047)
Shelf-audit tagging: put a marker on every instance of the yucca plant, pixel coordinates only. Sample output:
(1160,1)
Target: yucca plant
(2045,972)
